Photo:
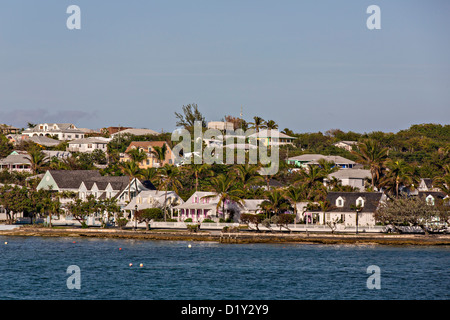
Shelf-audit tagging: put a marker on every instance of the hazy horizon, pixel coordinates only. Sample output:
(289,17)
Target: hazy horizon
(308,65)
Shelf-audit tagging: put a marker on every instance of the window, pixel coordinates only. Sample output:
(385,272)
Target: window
(339,202)
(89,146)
(360,202)
(430,200)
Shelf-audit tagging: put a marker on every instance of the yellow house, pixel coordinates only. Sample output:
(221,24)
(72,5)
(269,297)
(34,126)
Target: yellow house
(149,147)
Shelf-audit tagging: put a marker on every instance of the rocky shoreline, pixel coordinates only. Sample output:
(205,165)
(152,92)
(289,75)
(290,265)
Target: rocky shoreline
(238,237)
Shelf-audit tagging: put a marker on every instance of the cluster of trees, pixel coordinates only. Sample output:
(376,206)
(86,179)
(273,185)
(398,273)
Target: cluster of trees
(30,202)
(396,161)
(413,212)
(392,175)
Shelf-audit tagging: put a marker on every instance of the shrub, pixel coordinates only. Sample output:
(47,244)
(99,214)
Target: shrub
(188,220)
(193,227)
(121,222)
(208,220)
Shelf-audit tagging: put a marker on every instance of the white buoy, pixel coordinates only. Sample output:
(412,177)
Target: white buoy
(189,246)
(6,242)
(130,264)
(141,265)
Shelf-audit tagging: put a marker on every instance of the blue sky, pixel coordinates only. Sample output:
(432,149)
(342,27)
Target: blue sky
(309,65)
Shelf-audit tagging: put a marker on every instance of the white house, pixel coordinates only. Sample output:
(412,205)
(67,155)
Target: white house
(347,145)
(17,162)
(88,145)
(313,159)
(351,177)
(220,125)
(271,137)
(63,131)
(153,199)
(346,205)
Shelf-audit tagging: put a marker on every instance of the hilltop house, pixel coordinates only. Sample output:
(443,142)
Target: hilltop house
(220,125)
(350,177)
(88,144)
(135,132)
(347,145)
(151,160)
(271,137)
(43,141)
(345,205)
(7,129)
(63,131)
(313,159)
(17,162)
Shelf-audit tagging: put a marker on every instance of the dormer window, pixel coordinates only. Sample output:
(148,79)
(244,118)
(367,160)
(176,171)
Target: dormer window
(339,202)
(360,202)
(430,200)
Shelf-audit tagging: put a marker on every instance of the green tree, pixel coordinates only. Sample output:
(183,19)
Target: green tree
(257,124)
(5,146)
(149,214)
(371,154)
(295,195)
(132,170)
(275,203)
(271,125)
(190,115)
(170,179)
(248,175)
(399,174)
(38,160)
(224,188)
(160,153)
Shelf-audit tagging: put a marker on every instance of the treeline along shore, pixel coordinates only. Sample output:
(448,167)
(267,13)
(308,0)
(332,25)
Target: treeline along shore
(240,237)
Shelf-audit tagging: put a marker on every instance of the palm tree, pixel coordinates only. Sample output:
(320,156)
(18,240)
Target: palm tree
(271,125)
(257,124)
(399,174)
(196,170)
(149,174)
(160,153)
(137,155)
(371,154)
(325,206)
(295,195)
(327,167)
(132,170)
(224,187)
(170,178)
(248,175)
(443,182)
(275,202)
(312,178)
(37,159)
